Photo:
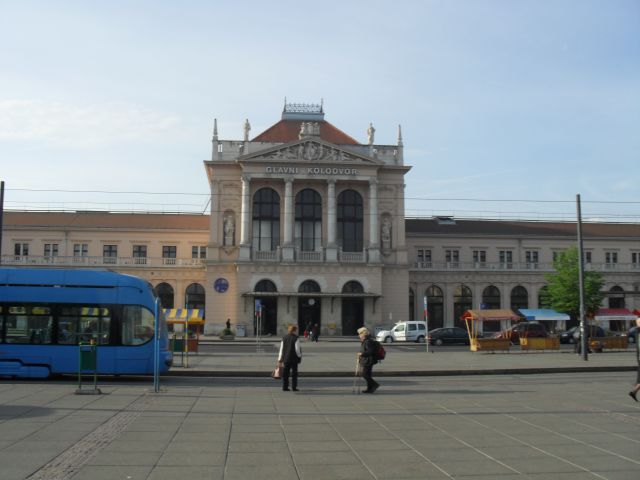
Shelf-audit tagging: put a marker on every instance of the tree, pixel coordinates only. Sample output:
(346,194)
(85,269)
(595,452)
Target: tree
(564,290)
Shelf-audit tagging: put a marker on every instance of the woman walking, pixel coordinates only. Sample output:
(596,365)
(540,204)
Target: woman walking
(367,358)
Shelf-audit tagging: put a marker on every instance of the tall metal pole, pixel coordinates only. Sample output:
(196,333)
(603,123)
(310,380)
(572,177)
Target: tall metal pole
(583,327)
(156,347)
(1,210)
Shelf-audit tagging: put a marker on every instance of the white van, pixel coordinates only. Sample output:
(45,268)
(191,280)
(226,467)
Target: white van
(414,331)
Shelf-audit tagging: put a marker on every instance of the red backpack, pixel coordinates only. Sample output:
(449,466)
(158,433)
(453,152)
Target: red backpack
(380,352)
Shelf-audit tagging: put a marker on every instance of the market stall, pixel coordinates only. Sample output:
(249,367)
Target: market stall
(552,320)
(474,320)
(615,319)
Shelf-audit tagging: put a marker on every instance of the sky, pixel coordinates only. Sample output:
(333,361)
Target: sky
(509,108)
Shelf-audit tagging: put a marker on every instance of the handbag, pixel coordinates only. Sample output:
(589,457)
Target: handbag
(277,372)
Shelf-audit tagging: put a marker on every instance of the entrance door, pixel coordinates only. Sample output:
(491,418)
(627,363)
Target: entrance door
(352,315)
(269,316)
(309,313)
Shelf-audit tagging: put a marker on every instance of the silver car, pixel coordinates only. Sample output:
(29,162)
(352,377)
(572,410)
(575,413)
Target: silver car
(413,331)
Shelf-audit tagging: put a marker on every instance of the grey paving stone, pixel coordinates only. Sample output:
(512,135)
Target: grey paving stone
(105,458)
(334,472)
(119,445)
(96,472)
(258,447)
(198,459)
(321,446)
(243,459)
(279,472)
(326,458)
(196,447)
(187,473)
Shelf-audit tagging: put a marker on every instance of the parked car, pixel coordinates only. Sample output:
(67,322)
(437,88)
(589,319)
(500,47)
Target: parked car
(525,330)
(412,331)
(632,334)
(449,335)
(571,335)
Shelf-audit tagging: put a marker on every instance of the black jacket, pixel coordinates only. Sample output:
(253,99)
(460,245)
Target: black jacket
(288,349)
(368,352)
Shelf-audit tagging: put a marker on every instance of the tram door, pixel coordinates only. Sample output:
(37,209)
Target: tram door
(309,311)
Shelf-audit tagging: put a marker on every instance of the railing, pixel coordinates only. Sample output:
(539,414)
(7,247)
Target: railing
(352,257)
(519,267)
(266,255)
(310,256)
(140,262)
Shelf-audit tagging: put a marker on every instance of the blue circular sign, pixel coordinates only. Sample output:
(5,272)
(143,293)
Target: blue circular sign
(221,285)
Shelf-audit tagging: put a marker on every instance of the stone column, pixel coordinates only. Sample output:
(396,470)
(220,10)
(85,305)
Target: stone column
(245,215)
(374,246)
(288,246)
(332,248)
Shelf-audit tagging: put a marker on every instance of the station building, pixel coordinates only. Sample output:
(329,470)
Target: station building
(307,225)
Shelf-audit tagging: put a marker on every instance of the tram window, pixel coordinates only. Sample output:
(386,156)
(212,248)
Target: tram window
(84,324)
(137,325)
(28,324)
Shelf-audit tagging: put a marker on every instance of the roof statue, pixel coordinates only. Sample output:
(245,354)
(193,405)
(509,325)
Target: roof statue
(371,132)
(247,129)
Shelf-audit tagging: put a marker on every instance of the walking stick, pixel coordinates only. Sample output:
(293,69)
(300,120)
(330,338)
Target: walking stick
(355,377)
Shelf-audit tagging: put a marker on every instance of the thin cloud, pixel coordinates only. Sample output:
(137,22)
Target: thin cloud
(89,126)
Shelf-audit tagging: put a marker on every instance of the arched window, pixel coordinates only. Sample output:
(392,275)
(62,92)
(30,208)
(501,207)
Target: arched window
(265,286)
(352,287)
(491,297)
(164,291)
(266,219)
(462,301)
(412,305)
(308,220)
(350,221)
(309,286)
(519,298)
(544,300)
(194,296)
(616,297)
(435,307)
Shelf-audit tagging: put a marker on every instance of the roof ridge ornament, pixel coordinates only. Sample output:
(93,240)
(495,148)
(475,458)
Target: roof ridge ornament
(303,111)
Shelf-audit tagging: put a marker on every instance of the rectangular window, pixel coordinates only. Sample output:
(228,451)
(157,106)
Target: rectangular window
(109,253)
(479,256)
(51,249)
(452,258)
(424,258)
(199,251)
(80,249)
(506,258)
(169,253)
(140,254)
(28,324)
(611,259)
(587,257)
(635,258)
(84,324)
(531,258)
(21,249)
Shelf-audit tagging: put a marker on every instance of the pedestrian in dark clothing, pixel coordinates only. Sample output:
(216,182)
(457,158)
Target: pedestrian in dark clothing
(290,356)
(309,330)
(634,393)
(367,357)
(316,332)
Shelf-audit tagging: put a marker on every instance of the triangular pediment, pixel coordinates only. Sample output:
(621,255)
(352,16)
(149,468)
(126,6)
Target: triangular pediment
(309,150)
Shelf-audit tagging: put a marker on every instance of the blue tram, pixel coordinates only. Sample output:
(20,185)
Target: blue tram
(46,313)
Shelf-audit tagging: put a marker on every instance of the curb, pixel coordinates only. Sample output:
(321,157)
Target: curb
(405,373)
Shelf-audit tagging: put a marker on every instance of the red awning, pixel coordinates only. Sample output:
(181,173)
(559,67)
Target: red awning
(604,314)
